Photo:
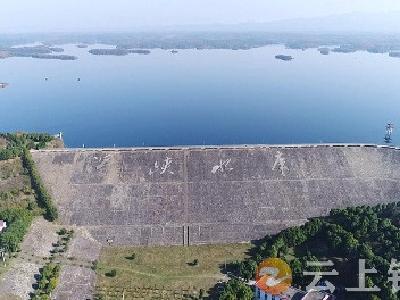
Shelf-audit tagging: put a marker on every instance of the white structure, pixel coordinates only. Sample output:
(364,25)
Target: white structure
(59,135)
(389,128)
(3,225)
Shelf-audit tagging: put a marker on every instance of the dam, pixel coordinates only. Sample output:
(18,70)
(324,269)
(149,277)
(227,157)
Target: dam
(212,194)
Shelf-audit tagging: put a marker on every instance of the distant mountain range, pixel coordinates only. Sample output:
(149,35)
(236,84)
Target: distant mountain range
(354,22)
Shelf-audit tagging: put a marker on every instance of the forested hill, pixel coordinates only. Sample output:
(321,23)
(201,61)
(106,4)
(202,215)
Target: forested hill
(345,236)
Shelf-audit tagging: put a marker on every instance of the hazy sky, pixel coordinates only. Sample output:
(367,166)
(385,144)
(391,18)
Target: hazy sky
(92,15)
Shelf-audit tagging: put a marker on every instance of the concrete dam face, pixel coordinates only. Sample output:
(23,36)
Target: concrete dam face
(210,195)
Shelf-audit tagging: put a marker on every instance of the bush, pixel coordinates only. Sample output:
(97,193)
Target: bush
(95,265)
(112,273)
(99,297)
(49,276)
(201,294)
(131,257)
(31,205)
(236,290)
(62,231)
(18,221)
(9,153)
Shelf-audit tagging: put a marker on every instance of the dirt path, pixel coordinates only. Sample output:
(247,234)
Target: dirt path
(77,281)
(222,277)
(18,281)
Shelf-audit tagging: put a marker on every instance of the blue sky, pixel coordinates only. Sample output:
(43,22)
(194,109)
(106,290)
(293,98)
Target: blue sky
(98,15)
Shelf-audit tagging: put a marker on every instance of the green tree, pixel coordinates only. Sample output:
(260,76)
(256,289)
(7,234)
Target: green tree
(236,290)
(247,269)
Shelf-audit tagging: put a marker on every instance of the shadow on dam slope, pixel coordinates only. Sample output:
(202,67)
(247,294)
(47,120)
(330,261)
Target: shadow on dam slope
(208,194)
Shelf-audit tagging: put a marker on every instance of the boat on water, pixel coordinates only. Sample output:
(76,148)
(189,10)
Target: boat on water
(3,85)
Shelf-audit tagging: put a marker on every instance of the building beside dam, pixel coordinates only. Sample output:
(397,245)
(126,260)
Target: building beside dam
(193,195)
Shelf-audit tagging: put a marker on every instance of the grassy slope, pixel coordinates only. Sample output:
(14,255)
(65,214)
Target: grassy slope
(168,267)
(15,186)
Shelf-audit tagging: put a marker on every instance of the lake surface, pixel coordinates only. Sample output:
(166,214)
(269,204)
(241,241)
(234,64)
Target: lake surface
(203,97)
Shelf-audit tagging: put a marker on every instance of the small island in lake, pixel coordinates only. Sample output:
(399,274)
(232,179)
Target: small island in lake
(55,49)
(324,51)
(118,51)
(345,49)
(41,51)
(115,52)
(140,51)
(3,85)
(49,56)
(284,57)
(394,54)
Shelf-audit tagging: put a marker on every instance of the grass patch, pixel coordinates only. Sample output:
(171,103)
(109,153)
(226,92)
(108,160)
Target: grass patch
(169,267)
(15,186)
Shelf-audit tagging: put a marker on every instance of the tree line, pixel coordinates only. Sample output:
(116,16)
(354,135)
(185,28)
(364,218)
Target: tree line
(42,195)
(49,277)
(345,236)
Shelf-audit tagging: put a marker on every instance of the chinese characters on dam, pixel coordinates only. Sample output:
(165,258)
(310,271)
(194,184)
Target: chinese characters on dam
(162,168)
(280,163)
(224,166)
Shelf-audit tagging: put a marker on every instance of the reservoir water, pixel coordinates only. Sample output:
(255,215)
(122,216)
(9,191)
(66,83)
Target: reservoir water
(203,97)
